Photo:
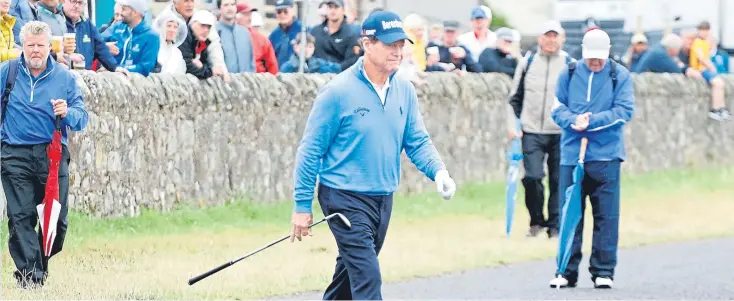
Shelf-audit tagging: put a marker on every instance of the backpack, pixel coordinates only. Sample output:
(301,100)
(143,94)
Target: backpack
(9,83)
(612,73)
(569,60)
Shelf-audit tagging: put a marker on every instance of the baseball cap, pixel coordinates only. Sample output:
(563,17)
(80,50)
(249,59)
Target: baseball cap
(505,33)
(595,45)
(283,4)
(244,7)
(386,26)
(551,26)
(478,13)
(140,6)
(639,38)
(338,3)
(203,17)
(451,25)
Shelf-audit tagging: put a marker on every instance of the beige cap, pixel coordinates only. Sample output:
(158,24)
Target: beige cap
(639,38)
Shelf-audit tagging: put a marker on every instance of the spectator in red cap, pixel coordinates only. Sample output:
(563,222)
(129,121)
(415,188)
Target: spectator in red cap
(265,59)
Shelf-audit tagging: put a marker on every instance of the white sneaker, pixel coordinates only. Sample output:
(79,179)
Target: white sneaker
(603,282)
(559,282)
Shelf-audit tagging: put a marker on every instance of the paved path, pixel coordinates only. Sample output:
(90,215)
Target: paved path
(692,270)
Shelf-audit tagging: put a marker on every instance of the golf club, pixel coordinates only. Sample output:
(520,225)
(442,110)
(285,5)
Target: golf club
(226,265)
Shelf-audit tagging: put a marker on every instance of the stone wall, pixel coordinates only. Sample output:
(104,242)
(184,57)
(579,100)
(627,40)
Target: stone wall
(159,141)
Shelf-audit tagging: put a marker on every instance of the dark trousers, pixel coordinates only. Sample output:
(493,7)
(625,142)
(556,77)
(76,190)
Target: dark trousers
(601,184)
(535,147)
(357,274)
(24,173)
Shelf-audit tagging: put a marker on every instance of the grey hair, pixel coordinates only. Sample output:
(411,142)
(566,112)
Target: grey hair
(35,28)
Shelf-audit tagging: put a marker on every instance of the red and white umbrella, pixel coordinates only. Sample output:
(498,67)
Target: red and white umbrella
(48,211)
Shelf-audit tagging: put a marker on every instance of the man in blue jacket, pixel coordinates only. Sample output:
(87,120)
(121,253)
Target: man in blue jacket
(359,125)
(89,44)
(288,27)
(662,58)
(595,102)
(42,90)
(138,43)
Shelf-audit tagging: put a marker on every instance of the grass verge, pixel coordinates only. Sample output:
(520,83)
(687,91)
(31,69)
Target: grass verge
(153,255)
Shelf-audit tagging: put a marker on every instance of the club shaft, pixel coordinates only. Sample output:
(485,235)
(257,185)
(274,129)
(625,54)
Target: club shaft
(228,264)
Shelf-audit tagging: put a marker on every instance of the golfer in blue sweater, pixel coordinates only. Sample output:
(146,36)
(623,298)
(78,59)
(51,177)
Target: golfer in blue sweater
(588,105)
(359,125)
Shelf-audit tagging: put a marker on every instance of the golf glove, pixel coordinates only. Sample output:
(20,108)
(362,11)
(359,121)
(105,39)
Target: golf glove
(445,184)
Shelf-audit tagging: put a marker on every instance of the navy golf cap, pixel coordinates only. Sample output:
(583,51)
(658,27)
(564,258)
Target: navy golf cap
(386,26)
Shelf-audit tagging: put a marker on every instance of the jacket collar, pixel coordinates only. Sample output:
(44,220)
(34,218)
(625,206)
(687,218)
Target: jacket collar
(358,70)
(9,20)
(50,66)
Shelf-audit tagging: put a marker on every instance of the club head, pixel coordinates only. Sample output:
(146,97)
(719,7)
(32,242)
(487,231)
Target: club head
(342,218)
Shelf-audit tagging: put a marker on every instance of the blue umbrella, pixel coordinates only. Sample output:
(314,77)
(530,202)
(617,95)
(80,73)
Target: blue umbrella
(571,213)
(514,155)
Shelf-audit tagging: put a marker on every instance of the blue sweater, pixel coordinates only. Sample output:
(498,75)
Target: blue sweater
(281,40)
(30,117)
(657,60)
(354,143)
(610,111)
(89,44)
(138,47)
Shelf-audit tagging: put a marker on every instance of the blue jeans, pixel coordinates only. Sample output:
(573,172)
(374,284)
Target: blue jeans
(357,273)
(602,184)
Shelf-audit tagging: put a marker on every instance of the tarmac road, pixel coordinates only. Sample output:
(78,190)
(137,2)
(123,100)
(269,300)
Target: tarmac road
(692,270)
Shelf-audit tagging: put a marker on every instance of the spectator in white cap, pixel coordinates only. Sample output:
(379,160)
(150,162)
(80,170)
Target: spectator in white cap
(194,48)
(137,42)
(480,37)
(531,101)
(595,98)
(662,58)
(638,46)
(173,32)
(184,9)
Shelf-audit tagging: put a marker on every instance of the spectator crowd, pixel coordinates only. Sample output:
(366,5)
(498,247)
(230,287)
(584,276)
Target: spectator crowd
(183,39)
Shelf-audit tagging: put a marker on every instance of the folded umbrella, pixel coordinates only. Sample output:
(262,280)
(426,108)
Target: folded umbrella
(571,213)
(514,156)
(48,211)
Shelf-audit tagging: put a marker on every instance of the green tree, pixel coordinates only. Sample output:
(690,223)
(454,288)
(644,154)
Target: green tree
(498,18)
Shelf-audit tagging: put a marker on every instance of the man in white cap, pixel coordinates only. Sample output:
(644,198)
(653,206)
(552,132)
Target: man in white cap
(531,100)
(662,58)
(138,43)
(594,100)
(638,47)
(185,9)
(195,48)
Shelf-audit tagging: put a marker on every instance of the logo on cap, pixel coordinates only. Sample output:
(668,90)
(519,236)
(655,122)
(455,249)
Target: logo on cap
(391,24)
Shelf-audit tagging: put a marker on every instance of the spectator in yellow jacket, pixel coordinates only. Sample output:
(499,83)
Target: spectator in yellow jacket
(415,28)
(8,48)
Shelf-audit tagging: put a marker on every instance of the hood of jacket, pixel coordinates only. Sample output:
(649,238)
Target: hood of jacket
(160,27)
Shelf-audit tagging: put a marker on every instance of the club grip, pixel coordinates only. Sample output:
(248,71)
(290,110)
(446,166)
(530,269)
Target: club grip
(209,273)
